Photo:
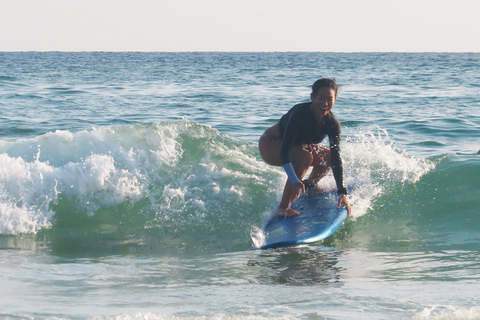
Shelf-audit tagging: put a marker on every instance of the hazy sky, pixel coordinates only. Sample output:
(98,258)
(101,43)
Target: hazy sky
(240,25)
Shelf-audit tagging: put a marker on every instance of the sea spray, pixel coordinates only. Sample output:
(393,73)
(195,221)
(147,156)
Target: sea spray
(374,165)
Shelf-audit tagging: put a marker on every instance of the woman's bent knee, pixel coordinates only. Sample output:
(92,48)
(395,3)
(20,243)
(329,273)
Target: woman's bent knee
(321,155)
(301,157)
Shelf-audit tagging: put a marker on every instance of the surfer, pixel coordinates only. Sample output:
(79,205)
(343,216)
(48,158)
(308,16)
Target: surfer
(293,144)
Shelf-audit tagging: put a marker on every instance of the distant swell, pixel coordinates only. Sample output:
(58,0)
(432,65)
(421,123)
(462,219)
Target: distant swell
(7,78)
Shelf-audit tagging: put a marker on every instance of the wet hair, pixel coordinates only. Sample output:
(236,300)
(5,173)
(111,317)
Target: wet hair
(325,83)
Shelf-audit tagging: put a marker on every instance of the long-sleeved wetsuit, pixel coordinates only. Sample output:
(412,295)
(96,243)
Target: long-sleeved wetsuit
(298,127)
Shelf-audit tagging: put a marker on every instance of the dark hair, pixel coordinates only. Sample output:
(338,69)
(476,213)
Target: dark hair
(325,82)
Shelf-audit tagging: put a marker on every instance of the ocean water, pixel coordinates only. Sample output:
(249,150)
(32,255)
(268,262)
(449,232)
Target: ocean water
(131,187)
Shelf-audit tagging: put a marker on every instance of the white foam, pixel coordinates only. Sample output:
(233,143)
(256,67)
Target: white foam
(152,316)
(448,313)
(258,237)
(24,203)
(373,164)
(95,169)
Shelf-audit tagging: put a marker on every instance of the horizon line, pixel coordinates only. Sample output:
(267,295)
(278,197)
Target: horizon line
(219,51)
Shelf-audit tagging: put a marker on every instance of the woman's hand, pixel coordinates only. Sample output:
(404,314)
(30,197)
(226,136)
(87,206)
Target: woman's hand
(344,200)
(297,189)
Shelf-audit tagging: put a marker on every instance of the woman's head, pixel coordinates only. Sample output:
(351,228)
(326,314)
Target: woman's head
(324,94)
(325,83)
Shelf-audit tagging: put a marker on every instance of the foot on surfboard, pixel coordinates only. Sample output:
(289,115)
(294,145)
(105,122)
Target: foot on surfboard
(287,212)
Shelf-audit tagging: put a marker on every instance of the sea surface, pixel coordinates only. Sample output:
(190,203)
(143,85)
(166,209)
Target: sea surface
(131,187)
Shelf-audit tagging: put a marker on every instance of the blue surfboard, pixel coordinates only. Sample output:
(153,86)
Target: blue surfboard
(318,219)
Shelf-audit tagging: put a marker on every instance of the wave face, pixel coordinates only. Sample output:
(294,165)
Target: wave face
(182,186)
(178,184)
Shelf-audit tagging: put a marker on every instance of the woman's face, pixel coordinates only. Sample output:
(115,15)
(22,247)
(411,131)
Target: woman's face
(322,102)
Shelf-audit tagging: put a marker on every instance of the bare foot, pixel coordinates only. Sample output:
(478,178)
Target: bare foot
(286,212)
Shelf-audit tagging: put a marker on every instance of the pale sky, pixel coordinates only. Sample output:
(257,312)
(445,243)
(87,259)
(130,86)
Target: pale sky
(240,25)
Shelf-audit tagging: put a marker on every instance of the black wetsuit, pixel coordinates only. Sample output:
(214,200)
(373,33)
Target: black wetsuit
(298,127)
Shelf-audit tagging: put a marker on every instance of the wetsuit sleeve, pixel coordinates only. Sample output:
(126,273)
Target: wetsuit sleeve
(290,134)
(334,136)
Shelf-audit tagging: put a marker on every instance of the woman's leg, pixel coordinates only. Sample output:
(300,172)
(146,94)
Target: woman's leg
(301,158)
(321,163)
